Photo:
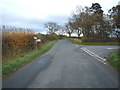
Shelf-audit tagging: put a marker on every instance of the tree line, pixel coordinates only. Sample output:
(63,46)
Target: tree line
(91,22)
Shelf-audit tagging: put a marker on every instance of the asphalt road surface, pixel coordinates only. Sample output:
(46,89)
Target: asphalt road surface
(67,65)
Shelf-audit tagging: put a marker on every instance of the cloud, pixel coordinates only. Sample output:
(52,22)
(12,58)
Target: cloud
(34,13)
(36,25)
(60,19)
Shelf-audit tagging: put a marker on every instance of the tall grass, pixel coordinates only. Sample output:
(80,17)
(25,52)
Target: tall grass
(19,47)
(16,42)
(114,60)
(14,64)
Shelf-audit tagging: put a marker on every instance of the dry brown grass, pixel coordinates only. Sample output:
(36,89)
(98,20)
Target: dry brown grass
(14,43)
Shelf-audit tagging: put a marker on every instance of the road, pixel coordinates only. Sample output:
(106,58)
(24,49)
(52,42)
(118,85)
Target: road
(67,65)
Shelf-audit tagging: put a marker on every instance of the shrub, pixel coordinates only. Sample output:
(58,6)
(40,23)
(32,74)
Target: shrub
(114,59)
(62,36)
(85,39)
(16,42)
(51,37)
(42,37)
(91,39)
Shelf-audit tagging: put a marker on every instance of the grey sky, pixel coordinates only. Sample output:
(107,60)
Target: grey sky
(34,13)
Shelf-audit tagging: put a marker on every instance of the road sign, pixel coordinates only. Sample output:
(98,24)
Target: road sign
(35,37)
(38,40)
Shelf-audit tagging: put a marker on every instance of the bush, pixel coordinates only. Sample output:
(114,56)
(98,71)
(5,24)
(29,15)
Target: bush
(114,59)
(42,37)
(47,37)
(16,42)
(85,39)
(91,39)
(62,36)
(51,37)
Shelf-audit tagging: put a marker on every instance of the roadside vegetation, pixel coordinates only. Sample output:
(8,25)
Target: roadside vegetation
(19,47)
(80,42)
(13,64)
(114,60)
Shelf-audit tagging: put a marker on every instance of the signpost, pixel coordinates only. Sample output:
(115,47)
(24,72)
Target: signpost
(36,41)
(35,38)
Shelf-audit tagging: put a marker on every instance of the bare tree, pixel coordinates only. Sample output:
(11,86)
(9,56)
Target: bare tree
(76,25)
(52,27)
(61,30)
(69,28)
(81,21)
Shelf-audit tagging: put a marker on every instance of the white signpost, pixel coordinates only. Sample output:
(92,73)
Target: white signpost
(37,40)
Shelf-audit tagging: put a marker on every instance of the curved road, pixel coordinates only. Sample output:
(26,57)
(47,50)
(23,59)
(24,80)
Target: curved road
(66,65)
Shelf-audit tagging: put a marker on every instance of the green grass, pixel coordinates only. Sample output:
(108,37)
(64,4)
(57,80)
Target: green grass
(93,43)
(114,60)
(14,64)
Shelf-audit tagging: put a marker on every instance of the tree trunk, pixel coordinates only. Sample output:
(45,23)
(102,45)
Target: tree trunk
(69,34)
(78,35)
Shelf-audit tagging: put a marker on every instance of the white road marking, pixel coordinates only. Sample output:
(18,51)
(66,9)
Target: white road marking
(94,55)
(77,45)
(111,48)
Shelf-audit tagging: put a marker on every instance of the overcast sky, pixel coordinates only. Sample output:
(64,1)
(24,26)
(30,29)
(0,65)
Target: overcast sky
(34,13)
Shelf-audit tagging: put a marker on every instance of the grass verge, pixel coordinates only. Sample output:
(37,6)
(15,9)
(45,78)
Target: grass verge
(14,64)
(114,60)
(93,43)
